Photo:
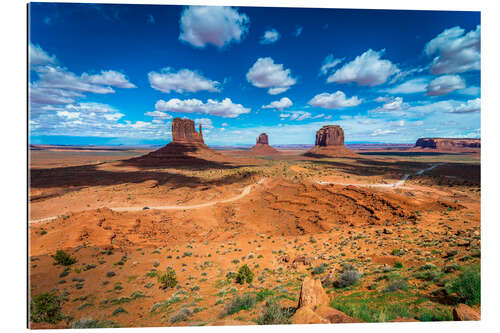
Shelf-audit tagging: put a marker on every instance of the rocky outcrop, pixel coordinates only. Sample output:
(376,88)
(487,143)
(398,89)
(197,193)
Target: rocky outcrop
(263,139)
(262,146)
(330,135)
(464,312)
(449,144)
(330,143)
(183,131)
(313,306)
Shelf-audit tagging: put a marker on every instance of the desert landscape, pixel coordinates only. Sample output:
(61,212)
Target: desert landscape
(188,235)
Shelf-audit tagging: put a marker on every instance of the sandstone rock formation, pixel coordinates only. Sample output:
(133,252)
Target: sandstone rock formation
(183,131)
(263,139)
(330,135)
(448,144)
(313,306)
(187,148)
(464,313)
(262,146)
(330,142)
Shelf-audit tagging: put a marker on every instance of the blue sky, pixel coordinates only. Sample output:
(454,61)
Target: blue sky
(119,74)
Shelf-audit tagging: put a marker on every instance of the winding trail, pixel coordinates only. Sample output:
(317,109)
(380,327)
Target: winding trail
(392,185)
(246,190)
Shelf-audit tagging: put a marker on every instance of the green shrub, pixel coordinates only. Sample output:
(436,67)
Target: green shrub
(94,323)
(274,314)
(398,264)
(62,258)
(244,275)
(119,310)
(46,308)
(239,303)
(397,284)
(319,269)
(263,294)
(349,276)
(468,285)
(168,279)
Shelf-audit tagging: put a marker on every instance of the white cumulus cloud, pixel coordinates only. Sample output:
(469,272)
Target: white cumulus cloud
(226,108)
(183,80)
(473,105)
(37,56)
(456,52)
(219,26)
(335,100)
(366,70)
(445,84)
(412,86)
(329,63)
(266,74)
(270,36)
(109,78)
(283,103)
(158,114)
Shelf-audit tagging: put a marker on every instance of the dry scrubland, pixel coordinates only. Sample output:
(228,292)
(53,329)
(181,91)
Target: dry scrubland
(382,254)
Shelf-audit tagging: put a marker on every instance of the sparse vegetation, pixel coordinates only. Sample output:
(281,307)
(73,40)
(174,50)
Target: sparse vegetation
(62,258)
(239,303)
(46,308)
(244,275)
(467,285)
(94,323)
(167,279)
(274,314)
(350,275)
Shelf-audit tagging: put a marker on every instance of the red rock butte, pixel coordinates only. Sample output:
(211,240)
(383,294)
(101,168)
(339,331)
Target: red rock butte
(330,143)
(187,148)
(448,144)
(262,146)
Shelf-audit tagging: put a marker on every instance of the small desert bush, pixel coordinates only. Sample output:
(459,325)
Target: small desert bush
(467,285)
(397,284)
(239,303)
(182,315)
(319,269)
(244,275)
(62,258)
(398,264)
(274,314)
(168,279)
(46,308)
(94,323)
(350,275)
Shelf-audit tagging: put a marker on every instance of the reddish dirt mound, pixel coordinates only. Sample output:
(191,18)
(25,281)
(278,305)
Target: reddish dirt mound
(263,149)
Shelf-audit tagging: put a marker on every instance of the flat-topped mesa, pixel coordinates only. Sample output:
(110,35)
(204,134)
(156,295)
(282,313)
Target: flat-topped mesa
(330,135)
(448,143)
(183,131)
(330,142)
(263,139)
(262,146)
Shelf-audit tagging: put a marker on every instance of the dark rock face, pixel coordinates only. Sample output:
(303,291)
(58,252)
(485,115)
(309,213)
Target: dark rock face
(183,131)
(331,135)
(262,146)
(448,143)
(263,139)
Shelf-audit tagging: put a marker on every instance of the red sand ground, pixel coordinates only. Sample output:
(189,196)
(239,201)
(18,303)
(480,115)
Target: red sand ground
(430,216)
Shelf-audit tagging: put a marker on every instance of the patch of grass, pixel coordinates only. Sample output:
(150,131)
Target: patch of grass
(467,285)
(383,307)
(62,258)
(238,303)
(167,279)
(244,275)
(398,264)
(46,308)
(262,294)
(274,314)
